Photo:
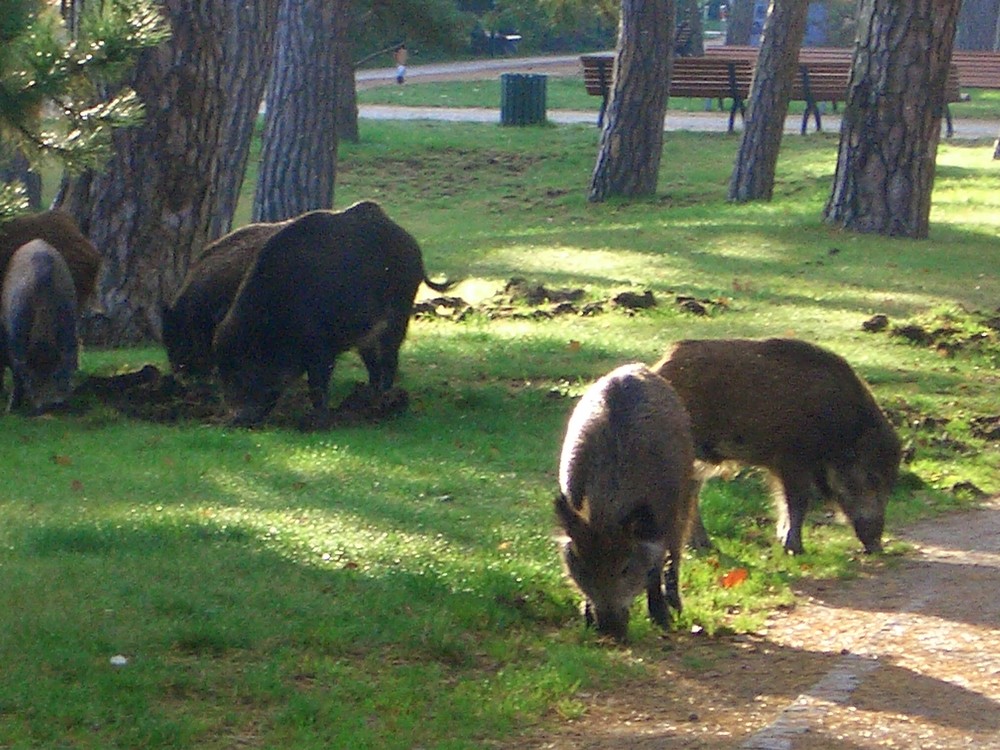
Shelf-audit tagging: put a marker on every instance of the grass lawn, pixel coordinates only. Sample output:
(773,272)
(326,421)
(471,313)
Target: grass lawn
(397,585)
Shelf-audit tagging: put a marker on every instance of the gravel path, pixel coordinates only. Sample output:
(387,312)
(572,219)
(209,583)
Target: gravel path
(905,656)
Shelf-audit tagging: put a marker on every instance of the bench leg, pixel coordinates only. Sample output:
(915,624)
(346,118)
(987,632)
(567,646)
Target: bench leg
(738,104)
(600,114)
(950,128)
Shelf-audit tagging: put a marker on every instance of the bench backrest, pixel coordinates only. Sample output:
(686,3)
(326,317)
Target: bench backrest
(975,69)
(690,76)
(597,73)
(978,70)
(710,77)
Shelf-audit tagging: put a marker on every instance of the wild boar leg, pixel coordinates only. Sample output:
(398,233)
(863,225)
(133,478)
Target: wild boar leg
(672,585)
(381,357)
(654,598)
(699,536)
(797,489)
(318,373)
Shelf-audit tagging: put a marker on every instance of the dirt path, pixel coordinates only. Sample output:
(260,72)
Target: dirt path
(906,656)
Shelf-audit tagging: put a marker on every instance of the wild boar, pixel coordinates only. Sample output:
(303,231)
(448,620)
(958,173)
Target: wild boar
(188,323)
(327,282)
(60,231)
(626,497)
(39,326)
(799,412)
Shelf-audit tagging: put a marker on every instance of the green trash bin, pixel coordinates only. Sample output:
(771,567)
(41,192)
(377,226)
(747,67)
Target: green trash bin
(522,99)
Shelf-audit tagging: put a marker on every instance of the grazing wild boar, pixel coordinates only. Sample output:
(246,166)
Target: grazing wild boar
(60,231)
(798,411)
(39,326)
(189,322)
(627,496)
(327,282)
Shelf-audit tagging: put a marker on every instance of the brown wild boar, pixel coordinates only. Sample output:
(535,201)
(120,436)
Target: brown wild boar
(627,496)
(798,411)
(38,315)
(327,282)
(60,231)
(209,287)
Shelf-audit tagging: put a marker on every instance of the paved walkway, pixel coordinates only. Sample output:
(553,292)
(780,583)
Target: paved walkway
(716,122)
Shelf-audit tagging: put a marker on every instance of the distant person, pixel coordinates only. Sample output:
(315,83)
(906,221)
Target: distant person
(400,57)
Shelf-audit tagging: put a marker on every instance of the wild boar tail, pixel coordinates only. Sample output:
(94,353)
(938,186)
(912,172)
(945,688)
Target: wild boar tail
(440,286)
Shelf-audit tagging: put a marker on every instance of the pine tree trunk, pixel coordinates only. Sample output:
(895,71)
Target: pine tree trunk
(170,184)
(628,160)
(892,117)
(739,21)
(767,104)
(690,11)
(347,92)
(977,25)
(299,147)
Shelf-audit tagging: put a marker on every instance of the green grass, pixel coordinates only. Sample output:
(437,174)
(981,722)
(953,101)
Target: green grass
(397,585)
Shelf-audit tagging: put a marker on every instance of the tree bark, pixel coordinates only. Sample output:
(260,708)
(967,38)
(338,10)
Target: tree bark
(171,183)
(347,92)
(299,145)
(628,160)
(739,22)
(767,104)
(977,25)
(690,11)
(996,149)
(892,118)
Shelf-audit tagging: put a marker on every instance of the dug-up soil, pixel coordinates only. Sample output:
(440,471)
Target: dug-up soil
(149,394)
(905,656)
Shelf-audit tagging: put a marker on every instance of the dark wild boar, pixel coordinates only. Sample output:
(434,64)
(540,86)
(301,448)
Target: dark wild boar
(60,231)
(326,283)
(39,326)
(627,497)
(798,411)
(209,287)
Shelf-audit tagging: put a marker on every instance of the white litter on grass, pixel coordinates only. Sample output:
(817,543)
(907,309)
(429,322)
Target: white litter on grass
(118,660)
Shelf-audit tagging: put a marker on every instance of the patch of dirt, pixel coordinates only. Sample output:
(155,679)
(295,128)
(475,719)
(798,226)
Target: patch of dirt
(523,299)
(152,396)
(904,656)
(947,333)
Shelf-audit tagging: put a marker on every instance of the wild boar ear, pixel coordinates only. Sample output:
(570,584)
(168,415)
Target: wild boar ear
(568,517)
(641,523)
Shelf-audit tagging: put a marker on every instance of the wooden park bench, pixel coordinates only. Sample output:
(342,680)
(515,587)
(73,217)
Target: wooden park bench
(701,77)
(978,70)
(824,73)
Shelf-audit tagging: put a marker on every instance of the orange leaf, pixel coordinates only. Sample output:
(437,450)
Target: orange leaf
(734,577)
(62,460)
(574,345)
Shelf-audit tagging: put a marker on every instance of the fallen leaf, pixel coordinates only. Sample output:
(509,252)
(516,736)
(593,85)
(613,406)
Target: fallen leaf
(734,577)
(76,485)
(574,345)
(62,460)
